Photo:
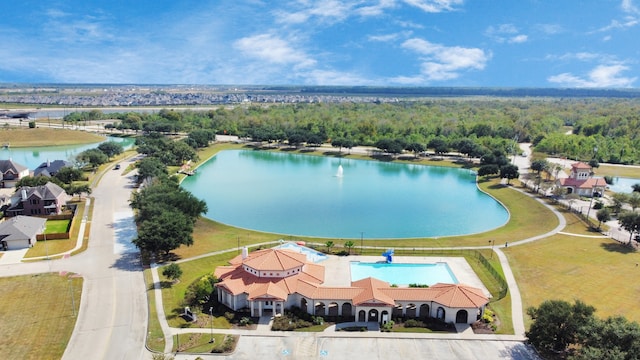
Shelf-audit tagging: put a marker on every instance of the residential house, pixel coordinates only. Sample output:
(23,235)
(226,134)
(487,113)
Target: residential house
(12,172)
(20,232)
(42,200)
(272,280)
(51,168)
(582,182)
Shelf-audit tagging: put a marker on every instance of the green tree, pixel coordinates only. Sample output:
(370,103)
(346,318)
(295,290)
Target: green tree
(164,232)
(613,338)
(630,221)
(603,215)
(199,292)
(69,174)
(92,157)
(39,180)
(151,167)
(329,244)
(509,172)
(634,200)
(349,244)
(172,271)
(618,200)
(557,324)
(111,148)
(488,170)
(78,189)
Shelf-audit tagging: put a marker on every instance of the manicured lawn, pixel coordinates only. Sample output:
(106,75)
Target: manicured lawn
(25,137)
(622,171)
(172,296)
(50,247)
(155,336)
(198,343)
(36,316)
(57,226)
(598,271)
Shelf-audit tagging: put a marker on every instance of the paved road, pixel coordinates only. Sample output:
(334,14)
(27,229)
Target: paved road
(113,312)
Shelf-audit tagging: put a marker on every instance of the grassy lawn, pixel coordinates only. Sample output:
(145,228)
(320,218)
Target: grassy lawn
(199,343)
(25,137)
(37,309)
(173,295)
(598,271)
(49,247)
(622,171)
(56,226)
(155,336)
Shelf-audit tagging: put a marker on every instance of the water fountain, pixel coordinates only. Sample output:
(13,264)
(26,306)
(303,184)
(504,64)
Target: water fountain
(340,171)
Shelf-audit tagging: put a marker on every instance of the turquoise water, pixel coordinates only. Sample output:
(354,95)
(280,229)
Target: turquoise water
(312,255)
(295,194)
(32,157)
(404,274)
(623,185)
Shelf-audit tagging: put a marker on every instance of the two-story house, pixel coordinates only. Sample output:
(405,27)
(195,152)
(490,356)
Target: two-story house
(582,182)
(51,168)
(12,172)
(42,200)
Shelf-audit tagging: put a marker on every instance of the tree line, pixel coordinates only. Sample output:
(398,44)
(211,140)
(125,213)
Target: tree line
(580,128)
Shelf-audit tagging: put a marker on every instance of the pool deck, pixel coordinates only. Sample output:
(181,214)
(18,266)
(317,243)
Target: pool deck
(337,271)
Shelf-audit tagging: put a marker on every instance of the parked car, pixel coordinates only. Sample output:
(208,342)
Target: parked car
(117,167)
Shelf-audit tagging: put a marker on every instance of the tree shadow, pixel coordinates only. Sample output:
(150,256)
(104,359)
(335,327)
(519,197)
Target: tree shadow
(519,351)
(128,262)
(621,248)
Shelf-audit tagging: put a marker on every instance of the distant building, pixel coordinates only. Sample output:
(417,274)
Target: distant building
(582,182)
(42,200)
(51,168)
(11,172)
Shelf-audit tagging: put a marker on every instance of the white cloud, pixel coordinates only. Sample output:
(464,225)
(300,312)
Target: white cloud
(389,37)
(609,76)
(435,6)
(582,56)
(629,7)
(518,39)
(549,29)
(508,33)
(270,48)
(443,63)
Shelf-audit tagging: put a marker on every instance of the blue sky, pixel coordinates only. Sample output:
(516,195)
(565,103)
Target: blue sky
(512,43)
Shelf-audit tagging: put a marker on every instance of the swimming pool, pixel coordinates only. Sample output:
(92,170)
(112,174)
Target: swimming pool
(312,255)
(404,273)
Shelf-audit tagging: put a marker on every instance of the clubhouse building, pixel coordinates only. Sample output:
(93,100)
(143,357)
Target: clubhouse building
(271,280)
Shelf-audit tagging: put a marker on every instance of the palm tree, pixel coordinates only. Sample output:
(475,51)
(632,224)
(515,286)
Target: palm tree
(329,244)
(349,244)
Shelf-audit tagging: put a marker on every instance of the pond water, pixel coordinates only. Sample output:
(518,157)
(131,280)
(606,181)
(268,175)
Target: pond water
(623,185)
(32,157)
(302,195)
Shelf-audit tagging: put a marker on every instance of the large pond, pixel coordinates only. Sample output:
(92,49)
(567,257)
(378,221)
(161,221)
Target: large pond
(32,157)
(303,195)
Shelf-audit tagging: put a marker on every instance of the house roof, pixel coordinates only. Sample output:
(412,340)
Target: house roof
(51,167)
(21,227)
(308,283)
(11,166)
(274,260)
(581,165)
(48,191)
(583,183)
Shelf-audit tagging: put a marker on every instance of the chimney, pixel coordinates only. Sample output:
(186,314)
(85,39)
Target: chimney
(24,194)
(245,252)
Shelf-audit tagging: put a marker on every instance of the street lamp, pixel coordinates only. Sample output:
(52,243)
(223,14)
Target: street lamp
(361,241)
(492,243)
(211,321)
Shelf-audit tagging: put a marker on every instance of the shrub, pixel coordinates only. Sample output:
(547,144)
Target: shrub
(413,323)
(388,326)
(245,321)
(598,205)
(229,315)
(200,290)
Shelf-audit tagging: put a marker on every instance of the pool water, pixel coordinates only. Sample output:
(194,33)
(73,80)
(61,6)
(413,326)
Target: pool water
(312,255)
(403,273)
